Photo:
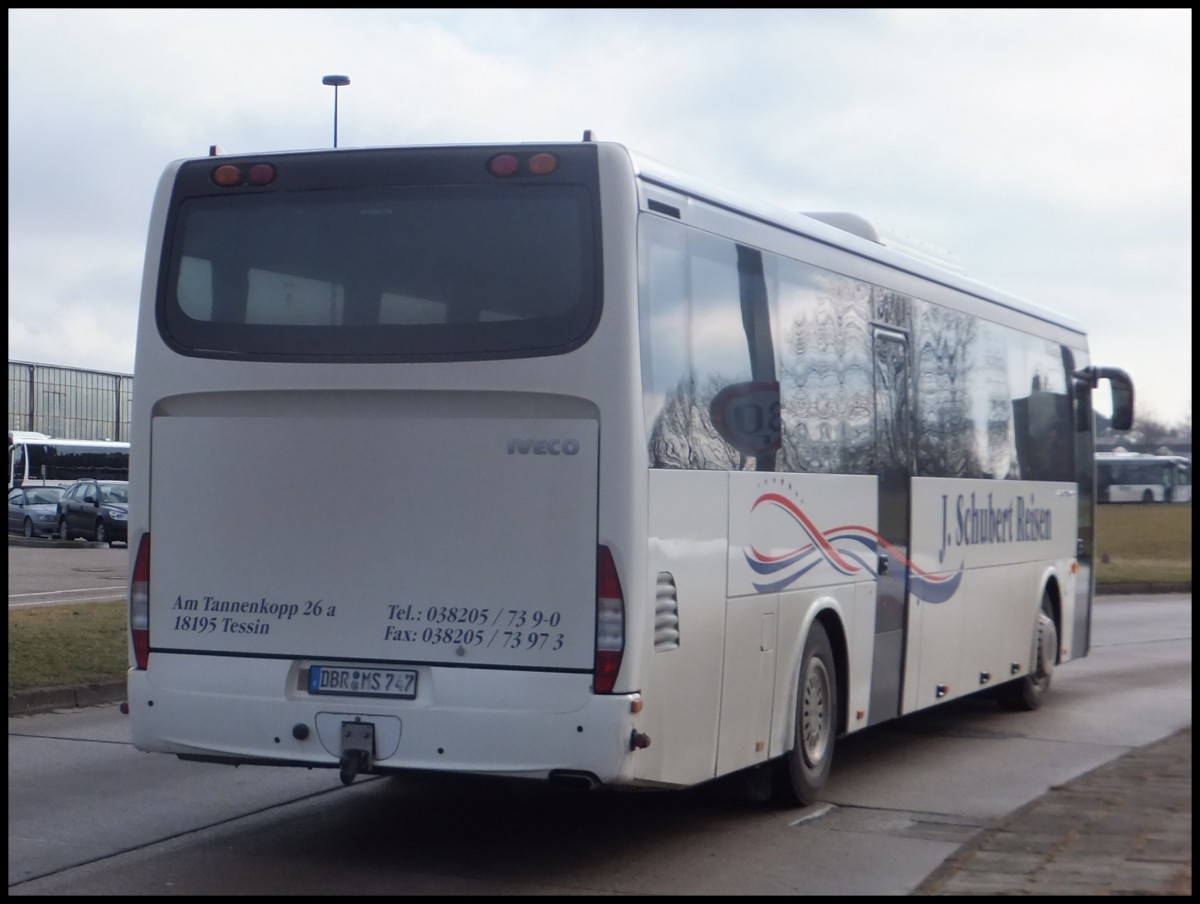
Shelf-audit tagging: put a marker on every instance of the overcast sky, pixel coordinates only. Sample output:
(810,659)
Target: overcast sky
(1048,150)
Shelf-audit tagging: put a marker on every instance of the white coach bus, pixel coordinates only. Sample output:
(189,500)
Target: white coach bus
(648,485)
(36,459)
(1141,477)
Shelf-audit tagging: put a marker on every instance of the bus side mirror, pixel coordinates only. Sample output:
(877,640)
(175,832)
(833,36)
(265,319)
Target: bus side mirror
(1122,392)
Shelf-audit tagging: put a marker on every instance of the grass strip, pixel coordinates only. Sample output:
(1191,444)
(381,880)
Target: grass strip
(65,646)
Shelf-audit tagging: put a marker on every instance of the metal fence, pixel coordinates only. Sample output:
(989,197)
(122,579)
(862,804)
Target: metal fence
(68,401)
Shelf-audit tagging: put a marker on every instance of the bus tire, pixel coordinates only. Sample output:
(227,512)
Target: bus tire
(800,773)
(1147,496)
(1026,694)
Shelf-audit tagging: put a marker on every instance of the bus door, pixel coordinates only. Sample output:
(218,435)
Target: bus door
(893,464)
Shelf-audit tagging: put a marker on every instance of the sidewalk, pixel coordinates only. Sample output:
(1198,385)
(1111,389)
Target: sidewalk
(1124,828)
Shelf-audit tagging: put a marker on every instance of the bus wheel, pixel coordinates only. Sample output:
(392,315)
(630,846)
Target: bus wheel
(801,772)
(64,532)
(1027,693)
(1147,496)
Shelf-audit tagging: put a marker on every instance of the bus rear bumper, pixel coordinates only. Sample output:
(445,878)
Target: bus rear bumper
(573,732)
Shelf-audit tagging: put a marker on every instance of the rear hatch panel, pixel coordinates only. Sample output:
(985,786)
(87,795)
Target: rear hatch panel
(465,540)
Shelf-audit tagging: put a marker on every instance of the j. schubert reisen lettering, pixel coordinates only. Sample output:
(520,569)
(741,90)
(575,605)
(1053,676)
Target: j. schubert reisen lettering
(976,522)
(1018,522)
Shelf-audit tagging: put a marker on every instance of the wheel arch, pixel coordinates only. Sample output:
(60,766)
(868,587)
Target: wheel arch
(835,630)
(796,778)
(827,613)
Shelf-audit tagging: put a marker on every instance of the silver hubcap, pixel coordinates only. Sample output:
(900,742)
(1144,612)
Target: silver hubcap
(815,719)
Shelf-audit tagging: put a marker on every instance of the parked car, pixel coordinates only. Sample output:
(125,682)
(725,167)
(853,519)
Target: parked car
(33,510)
(95,510)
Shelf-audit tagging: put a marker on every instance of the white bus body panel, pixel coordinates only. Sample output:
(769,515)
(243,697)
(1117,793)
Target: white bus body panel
(799,544)
(687,541)
(993,546)
(1137,492)
(723,697)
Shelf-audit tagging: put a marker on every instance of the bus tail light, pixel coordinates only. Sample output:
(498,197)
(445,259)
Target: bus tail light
(232,175)
(610,623)
(505,165)
(139,604)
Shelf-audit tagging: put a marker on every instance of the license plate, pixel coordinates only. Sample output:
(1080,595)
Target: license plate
(351,681)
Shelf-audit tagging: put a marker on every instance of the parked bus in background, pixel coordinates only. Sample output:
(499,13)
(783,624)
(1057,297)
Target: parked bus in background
(1140,477)
(664,485)
(35,458)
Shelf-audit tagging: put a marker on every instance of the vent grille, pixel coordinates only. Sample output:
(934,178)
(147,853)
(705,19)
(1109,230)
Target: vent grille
(666,614)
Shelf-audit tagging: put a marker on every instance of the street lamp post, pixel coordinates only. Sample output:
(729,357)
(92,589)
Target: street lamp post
(338,81)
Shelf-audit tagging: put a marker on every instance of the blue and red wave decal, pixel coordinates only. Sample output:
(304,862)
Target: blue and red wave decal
(850,549)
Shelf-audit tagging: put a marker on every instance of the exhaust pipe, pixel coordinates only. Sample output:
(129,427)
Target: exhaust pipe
(578,781)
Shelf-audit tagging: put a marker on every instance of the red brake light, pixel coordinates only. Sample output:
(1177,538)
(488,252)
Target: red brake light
(139,604)
(610,623)
(230,175)
(261,174)
(504,165)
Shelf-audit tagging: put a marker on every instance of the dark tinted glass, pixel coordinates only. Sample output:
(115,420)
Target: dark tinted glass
(393,272)
(62,461)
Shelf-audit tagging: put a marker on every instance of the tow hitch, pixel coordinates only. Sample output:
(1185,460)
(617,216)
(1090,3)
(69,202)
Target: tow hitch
(358,750)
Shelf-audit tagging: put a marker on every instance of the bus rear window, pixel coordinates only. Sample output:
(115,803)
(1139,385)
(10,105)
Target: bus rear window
(388,273)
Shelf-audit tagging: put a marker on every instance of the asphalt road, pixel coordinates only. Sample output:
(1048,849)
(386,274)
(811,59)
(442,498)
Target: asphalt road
(90,815)
(42,572)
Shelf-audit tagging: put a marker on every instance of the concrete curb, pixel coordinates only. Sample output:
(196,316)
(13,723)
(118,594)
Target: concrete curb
(44,542)
(45,699)
(1143,587)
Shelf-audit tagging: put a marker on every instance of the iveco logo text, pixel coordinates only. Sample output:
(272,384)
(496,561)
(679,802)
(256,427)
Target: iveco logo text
(543,446)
